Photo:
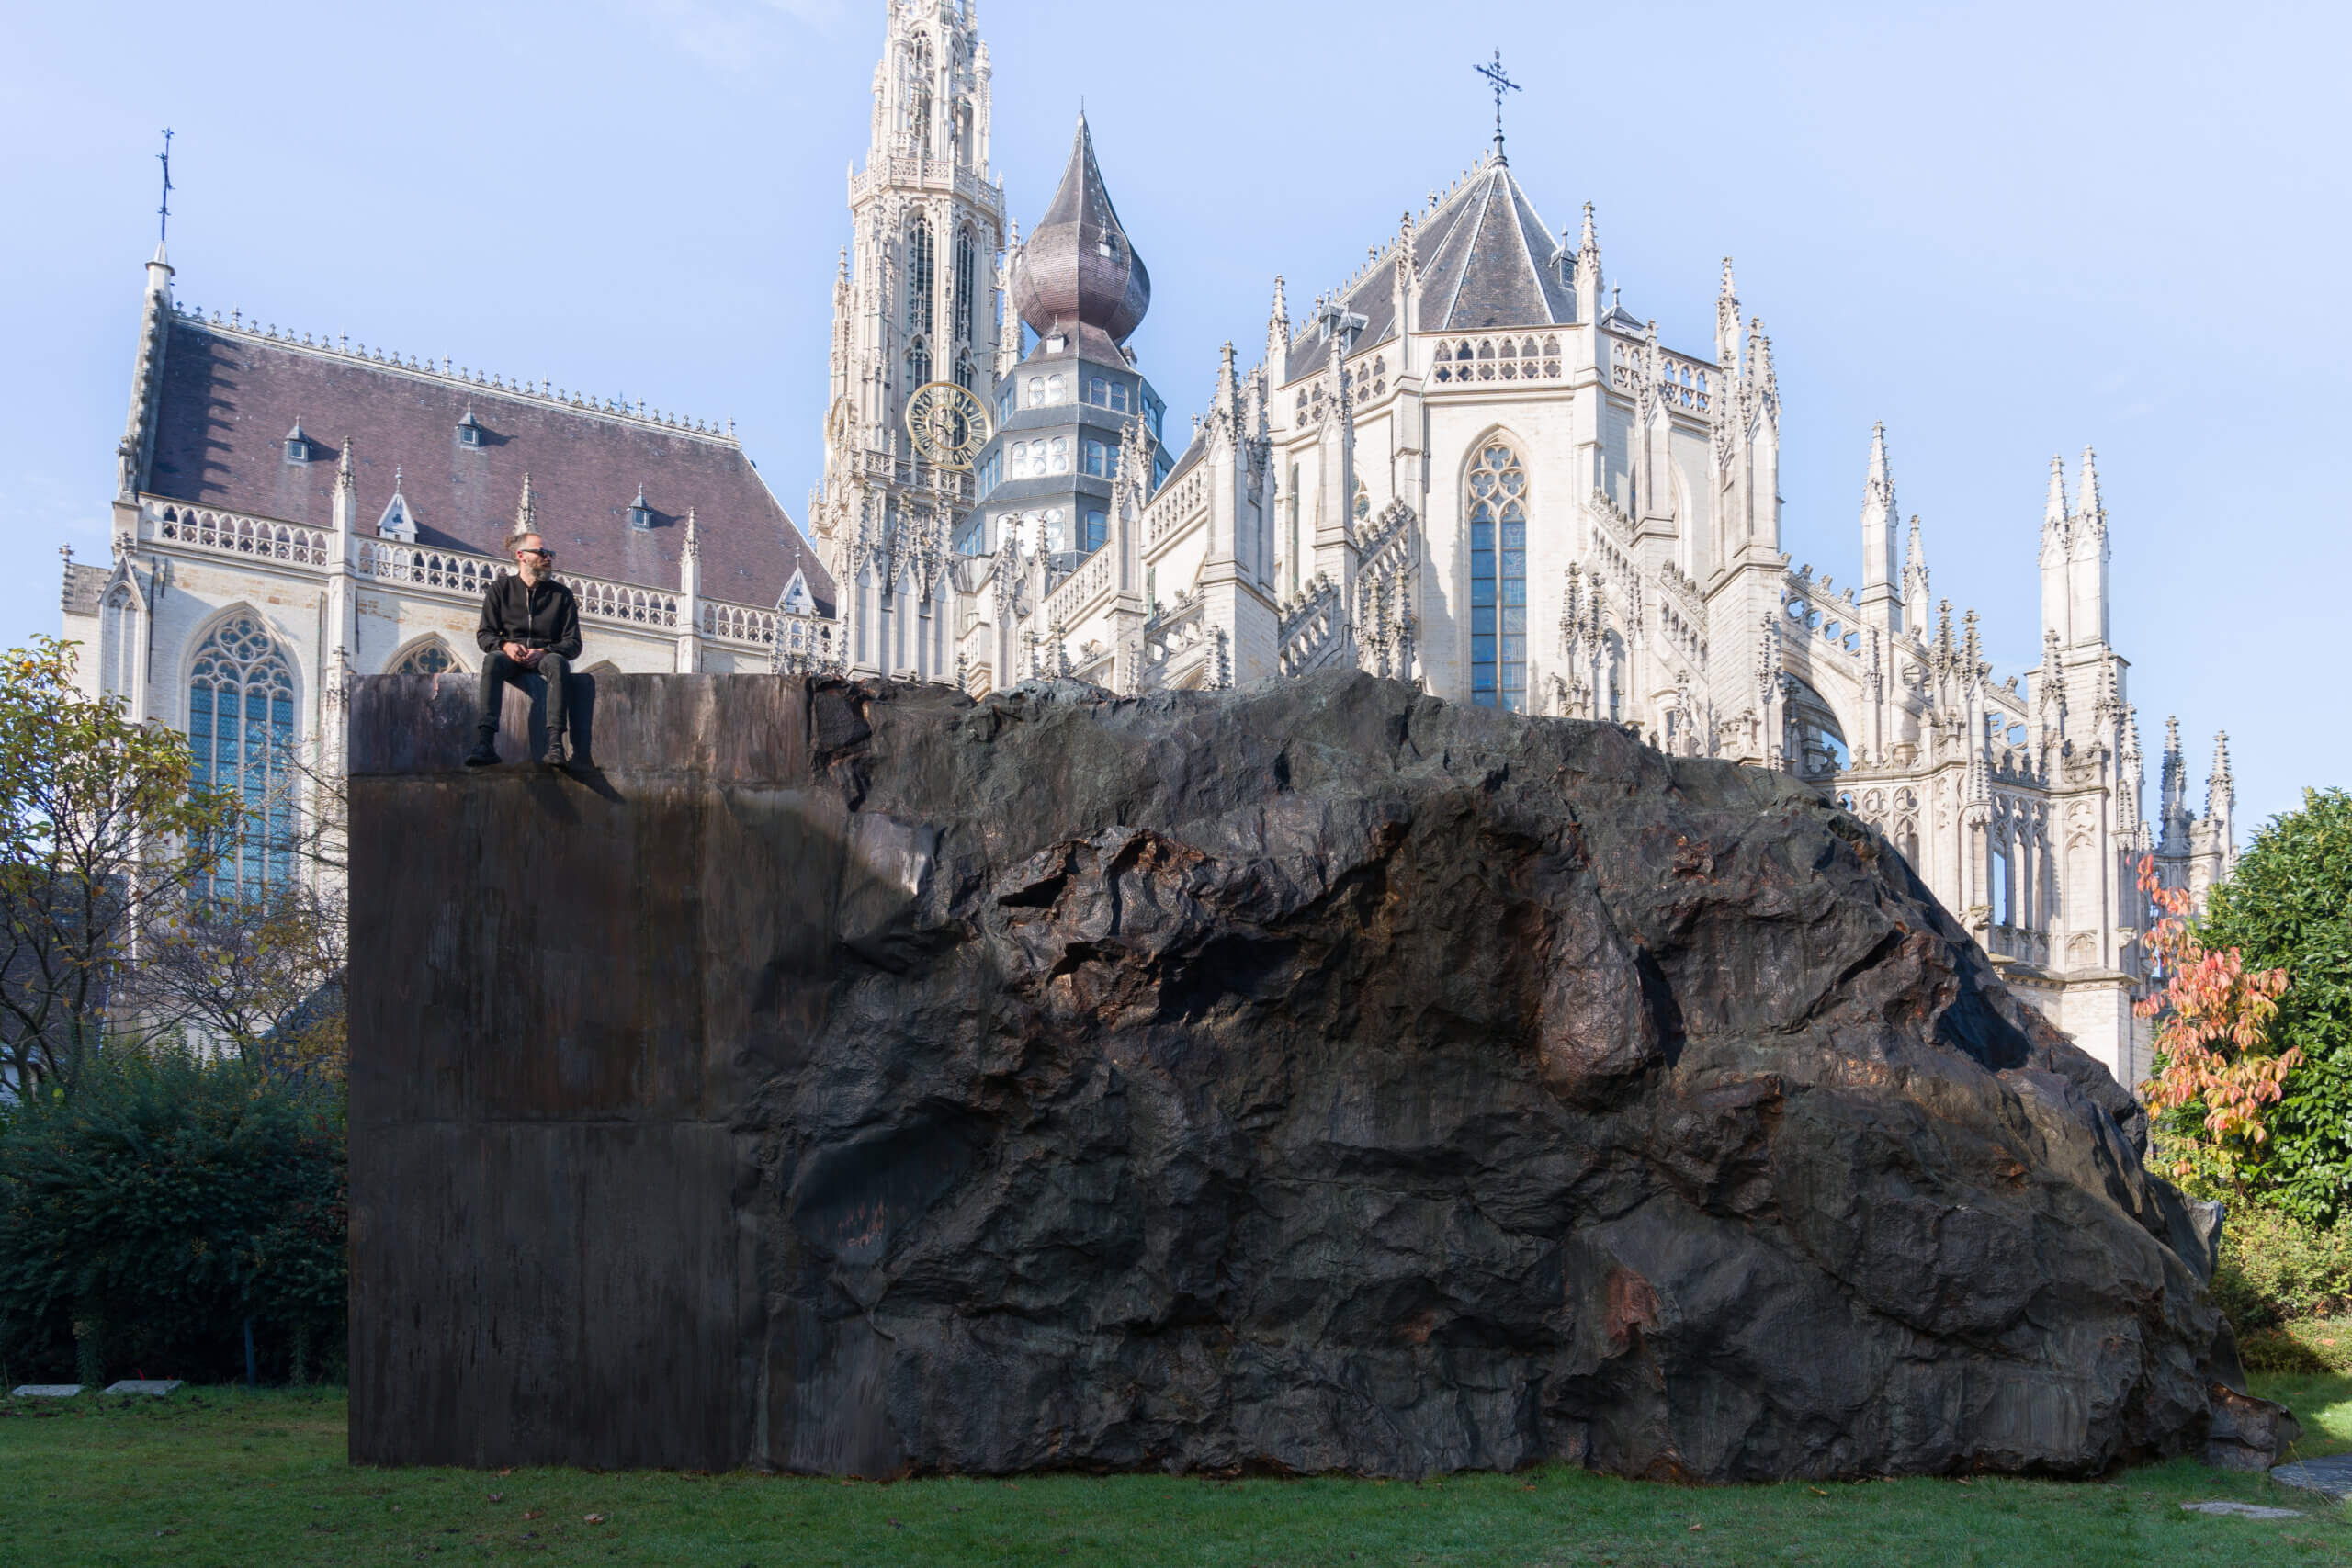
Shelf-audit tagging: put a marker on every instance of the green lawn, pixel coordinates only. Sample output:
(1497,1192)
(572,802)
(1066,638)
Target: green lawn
(219,1476)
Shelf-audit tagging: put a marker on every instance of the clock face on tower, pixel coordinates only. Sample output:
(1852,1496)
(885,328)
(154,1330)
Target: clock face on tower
(948,424)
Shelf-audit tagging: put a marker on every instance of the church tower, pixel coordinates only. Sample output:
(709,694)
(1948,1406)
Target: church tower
(916,301)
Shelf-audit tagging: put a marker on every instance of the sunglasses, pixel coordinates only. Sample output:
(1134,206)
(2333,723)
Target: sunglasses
(543,555)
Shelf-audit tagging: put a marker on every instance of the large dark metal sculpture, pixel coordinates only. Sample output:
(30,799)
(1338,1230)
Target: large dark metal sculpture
(1318,1076)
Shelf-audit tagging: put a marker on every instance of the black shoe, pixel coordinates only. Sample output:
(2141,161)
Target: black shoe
(557,754)
(485,752)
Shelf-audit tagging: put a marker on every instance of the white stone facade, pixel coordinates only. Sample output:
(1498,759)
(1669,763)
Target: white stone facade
(1328,510)
(1324,514)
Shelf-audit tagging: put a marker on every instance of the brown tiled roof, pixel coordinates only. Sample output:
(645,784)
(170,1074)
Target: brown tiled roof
(230,400)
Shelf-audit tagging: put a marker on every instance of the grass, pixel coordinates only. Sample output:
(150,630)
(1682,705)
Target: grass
(234,1479)
(2310,1345)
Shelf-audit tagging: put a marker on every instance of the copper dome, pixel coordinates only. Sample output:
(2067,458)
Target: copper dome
(1077,268)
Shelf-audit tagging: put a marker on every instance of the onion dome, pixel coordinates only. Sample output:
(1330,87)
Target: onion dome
(1078,270)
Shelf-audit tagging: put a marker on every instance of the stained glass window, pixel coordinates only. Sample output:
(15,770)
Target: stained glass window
(1499,580)
(425,658)
(241,729)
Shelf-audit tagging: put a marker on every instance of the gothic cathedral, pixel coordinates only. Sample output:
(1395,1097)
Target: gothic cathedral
(1468,466)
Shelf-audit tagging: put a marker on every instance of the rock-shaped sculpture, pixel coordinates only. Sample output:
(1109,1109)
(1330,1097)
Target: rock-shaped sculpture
(1316,1077)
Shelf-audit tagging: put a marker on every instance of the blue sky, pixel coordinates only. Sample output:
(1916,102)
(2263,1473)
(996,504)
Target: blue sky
(2007,231)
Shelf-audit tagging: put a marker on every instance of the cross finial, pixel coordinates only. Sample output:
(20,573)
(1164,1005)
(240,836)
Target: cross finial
(163,213)
(1502,83)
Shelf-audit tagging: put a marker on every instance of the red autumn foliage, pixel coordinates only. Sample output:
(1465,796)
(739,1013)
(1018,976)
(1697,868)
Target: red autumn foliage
(2212,1017)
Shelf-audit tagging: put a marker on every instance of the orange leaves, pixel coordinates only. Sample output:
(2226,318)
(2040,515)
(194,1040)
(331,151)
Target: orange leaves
(2211,1023)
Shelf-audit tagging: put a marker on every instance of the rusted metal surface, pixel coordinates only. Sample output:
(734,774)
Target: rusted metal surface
(569,984)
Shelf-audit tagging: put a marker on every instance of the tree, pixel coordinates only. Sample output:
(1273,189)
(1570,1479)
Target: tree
(169,1202)
(2288,905)
(100,826)
(2215,1074)
(259,969)
(258,973)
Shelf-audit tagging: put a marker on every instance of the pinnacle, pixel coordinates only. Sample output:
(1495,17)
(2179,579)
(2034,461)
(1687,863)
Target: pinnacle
(2089,497)
(2054,512)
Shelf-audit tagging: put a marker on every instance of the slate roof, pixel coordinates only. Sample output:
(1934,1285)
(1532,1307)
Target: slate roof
(1486,261)
(230,400)
(1078,267)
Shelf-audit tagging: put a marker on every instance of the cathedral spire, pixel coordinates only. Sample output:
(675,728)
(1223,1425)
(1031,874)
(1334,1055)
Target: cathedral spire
(1278,319)
(1766,386)
(2219,793)
(1914,580)
(2057,540)
(1882,601)
(1727,320)
(1080,270)
(2172,804)
(1588,270)
(2054,511)
(2088,509)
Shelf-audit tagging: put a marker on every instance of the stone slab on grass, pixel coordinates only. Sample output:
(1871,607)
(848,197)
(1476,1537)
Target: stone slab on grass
(2330,1477)
(157,1386)
(2241,1510)
(45,1390)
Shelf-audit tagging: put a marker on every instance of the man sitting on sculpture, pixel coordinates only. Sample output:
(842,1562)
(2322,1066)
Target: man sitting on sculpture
(530,625)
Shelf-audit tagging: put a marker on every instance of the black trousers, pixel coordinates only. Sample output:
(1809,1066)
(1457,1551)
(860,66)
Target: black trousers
(499,671)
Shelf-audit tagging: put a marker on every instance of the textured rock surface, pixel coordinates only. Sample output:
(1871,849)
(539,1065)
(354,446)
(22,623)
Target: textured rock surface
(1316,1077)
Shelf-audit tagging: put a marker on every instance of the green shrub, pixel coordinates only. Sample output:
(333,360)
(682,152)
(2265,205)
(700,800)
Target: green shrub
(145,1219)
(2276,1268)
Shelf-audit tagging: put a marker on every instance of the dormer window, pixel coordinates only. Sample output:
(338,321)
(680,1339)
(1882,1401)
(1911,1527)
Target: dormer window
(398,522)
(298,446)
(468,429)
(640,516)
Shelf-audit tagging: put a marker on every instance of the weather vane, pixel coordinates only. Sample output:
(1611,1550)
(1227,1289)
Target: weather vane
(163,213)
(1503,83)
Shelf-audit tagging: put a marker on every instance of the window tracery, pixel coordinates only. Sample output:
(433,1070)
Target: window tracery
(241,736)
(432,657)
(1498,508)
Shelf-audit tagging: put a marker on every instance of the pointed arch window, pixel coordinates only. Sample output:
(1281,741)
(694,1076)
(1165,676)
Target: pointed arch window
(431,657)
(964,287)
(1498,507)
(918,364)
(917,95)
(963,370)
(240,732)
(919,277)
